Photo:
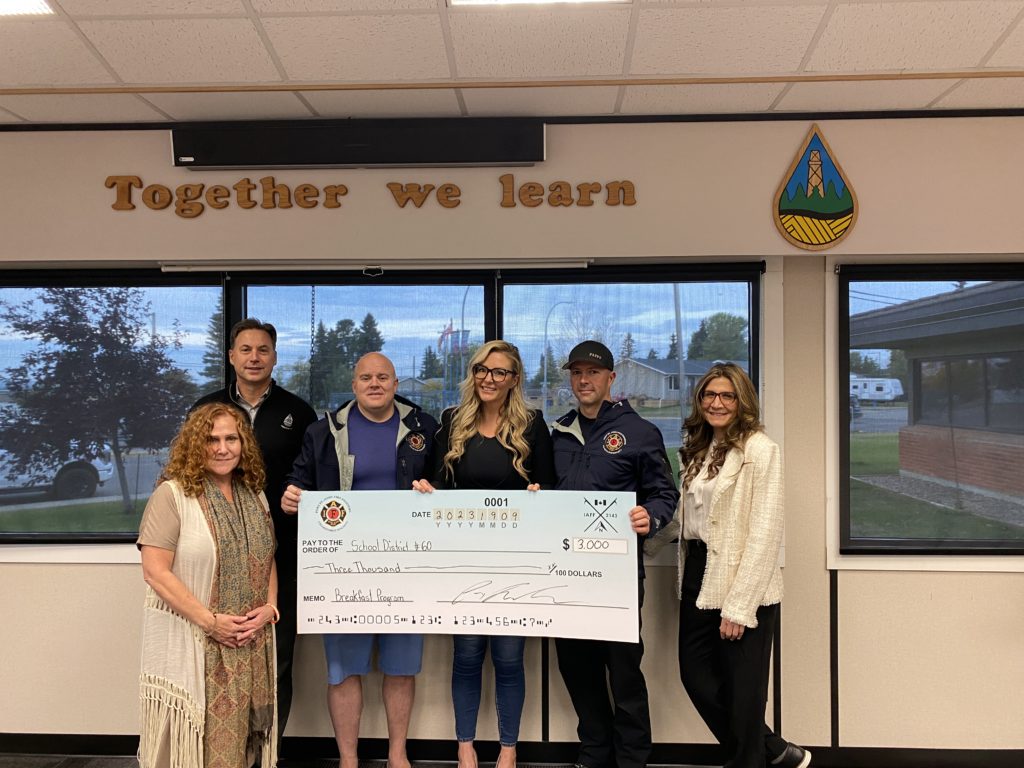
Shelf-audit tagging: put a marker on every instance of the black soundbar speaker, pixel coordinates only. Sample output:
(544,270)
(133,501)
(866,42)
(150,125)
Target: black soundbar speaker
(363,144)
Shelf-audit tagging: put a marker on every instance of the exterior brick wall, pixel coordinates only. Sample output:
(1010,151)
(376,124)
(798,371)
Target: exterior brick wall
(988,461)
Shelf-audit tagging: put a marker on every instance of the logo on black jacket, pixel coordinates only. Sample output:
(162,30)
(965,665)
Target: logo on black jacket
(288,422)
(416,441)
(614,442)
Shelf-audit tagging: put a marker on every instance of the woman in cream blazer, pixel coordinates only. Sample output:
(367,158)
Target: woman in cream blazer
(729,523)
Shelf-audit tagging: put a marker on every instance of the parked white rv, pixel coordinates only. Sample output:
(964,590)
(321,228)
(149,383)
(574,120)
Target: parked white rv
(872,390)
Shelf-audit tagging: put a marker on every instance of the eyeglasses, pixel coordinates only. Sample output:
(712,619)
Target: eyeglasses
(727,398)
(498,375)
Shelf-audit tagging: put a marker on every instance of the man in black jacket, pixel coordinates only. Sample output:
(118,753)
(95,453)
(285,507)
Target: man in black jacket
(607,446)
(376,442)
(279,420)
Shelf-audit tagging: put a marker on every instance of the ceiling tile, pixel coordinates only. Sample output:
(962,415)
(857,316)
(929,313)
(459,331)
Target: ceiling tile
(360,48)
(861,95)
(81,108)
(147,7)
(273,105)
(698,99)
(392,103)
(182,50)
(987,93)
(536,102)
(910,35)
(539,43)
(322,6)
(46,53)
(1010,53)
(751,40)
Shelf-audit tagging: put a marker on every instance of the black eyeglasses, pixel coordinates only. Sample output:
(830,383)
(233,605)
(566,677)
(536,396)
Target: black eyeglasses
(498,375)
(707,397)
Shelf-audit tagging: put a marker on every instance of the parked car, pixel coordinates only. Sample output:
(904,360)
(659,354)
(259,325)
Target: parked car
(74,479)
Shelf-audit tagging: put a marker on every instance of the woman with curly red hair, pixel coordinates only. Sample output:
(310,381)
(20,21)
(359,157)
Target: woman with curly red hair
(207,683)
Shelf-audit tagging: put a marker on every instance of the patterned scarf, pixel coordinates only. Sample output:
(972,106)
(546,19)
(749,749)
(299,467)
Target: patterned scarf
(239,681)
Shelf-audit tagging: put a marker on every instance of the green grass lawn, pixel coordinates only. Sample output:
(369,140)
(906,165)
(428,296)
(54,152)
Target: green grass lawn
(874,454)
(878,513)
(105,516)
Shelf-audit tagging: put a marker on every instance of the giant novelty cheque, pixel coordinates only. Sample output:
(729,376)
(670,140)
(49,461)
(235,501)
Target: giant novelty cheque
(546,563)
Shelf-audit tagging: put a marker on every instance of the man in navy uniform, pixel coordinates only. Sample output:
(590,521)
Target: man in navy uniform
(606,446)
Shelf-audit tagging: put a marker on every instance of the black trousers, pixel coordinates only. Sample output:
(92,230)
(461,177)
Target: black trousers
(287,568)
(727,680)
(616,733)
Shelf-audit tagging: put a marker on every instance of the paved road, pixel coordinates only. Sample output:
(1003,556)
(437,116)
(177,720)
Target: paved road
(877,418)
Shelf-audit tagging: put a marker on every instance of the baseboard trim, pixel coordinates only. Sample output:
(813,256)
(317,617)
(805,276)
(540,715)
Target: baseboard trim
(434,750)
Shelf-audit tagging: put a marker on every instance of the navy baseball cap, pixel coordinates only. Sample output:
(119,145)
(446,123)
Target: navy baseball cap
(591,352)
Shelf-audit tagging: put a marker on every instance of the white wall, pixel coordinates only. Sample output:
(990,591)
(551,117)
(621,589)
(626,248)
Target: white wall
(926,659)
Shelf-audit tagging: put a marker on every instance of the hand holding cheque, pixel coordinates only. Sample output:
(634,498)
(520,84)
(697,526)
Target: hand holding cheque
(550,564)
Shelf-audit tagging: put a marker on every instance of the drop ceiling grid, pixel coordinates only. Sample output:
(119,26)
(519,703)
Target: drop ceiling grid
(377,47)
(274,105)
(67,60)
(914,36)
(860,95)
(540,43)
(528,102)
(80,108)
(182,50)
(699,99)
(392,103)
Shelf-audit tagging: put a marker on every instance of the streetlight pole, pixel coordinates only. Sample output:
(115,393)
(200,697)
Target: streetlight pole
(544,358)
(462,327)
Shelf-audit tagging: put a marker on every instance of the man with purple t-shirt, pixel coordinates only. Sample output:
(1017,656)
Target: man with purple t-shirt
(378,441)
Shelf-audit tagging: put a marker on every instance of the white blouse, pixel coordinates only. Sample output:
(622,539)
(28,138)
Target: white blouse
(697,503)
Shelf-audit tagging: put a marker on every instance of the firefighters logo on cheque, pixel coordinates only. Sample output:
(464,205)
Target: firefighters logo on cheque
(333,513)
(614,442)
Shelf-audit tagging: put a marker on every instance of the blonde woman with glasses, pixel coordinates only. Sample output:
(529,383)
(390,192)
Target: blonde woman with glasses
(731,515)
(491,440)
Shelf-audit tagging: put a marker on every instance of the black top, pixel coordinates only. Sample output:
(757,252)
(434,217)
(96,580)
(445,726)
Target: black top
(281,422)
(486,464)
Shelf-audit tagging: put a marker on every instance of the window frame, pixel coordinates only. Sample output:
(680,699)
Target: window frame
(99,278)
(847,274)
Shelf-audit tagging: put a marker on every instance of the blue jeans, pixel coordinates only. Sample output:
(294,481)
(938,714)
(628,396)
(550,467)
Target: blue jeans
(509,684)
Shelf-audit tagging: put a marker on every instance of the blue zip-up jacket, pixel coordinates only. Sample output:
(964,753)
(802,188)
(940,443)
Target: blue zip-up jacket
(624,452)
(325,464)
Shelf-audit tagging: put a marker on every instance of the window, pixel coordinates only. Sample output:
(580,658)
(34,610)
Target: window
(429,332)
(932,453)
(95,377)
(98,371)
(662,327)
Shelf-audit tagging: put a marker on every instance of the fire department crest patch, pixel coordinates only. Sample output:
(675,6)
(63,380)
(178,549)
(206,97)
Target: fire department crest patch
(416,441)
(333,513)
(614,442)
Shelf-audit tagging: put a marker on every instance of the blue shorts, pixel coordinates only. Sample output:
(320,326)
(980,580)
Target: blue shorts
(349,655)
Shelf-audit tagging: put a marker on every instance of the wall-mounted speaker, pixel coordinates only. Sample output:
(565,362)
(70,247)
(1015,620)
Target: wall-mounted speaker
(363,144)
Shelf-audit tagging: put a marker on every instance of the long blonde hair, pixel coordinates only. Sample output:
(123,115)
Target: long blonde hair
(700,434)
(513,420)
(188,455)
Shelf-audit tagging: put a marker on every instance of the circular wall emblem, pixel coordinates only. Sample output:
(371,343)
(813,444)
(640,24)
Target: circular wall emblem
(614,442)
(333,513)
(416,441)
